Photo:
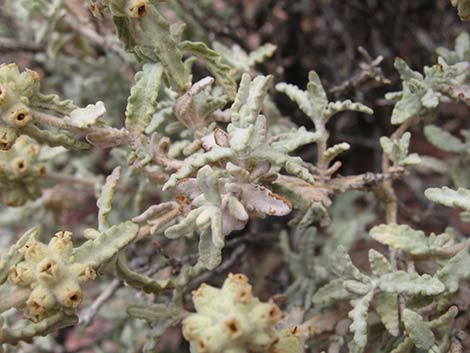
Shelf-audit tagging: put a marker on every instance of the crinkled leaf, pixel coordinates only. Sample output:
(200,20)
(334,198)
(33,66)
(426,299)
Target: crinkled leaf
(210,252)
(213,61)
(410,283)
(44,327)
(401,237)
(317,96)
(430,100)
(406,73)
(207,180)
(443,139)
(104,202)
(341,106)
(397,150)
(260,54)
(12,256)
(448,197)
(386,305)
(142,101)
(249,100)
(139,281)
(359,315)
(330,293)
(52,102)
(298,96)
(406,108)
(345,267)
(196,161)
(290,141)
(86,117)
(418,330)
(106,245)
(433,164)
(379,263)
(185,227)
(332,152)
(356,287)
(458,267)
(293,165)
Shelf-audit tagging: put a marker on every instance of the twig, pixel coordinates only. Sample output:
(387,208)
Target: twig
(87,317)
(370,70)
(363,181)
(68,179)
(9,44)
(234,256)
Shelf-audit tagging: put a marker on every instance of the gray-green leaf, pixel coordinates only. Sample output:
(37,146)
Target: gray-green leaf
(142,101)
(418,330)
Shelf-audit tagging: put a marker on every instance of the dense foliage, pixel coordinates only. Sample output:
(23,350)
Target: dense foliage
(172,181)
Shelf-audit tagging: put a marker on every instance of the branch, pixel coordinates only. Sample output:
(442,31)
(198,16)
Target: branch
(11,44)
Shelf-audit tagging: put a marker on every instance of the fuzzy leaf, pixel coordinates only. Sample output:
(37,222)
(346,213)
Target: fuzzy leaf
(356,287)
(249,100)
(293,165)
(443,139)
(104,202)
(451,198)
(458,267)
(185,227)
(54,139)
(432,164)
(317,97)
(430,100)
(336,107)
(13,256)
(260,199)
(260,54)
(140,281)
(105,246)
(386,305)
(397,150)
(407,107)
(378,263)
(330,293)
(86,117)
(332,152)
(418,330)
(359,315)
(410,283)
(401,237)
(210,252)
(290,141)
(207,180)
(213,61)
(154,312)
(406,73)
(52,102)
(141,103)
(346,268)
(297,95)
(42,328)
(196,161)
(154,36)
